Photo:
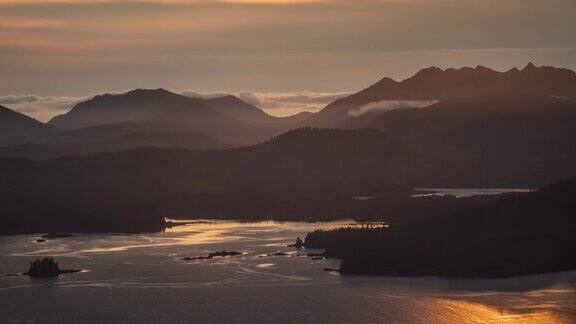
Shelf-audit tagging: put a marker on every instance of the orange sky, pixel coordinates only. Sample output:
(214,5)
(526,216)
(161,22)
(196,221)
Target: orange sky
(80,47)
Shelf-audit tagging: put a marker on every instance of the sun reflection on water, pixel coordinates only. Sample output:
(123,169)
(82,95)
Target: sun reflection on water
(152,261)
(211,225)
(460,311)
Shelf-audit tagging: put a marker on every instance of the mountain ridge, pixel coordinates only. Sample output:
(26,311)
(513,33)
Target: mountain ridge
(437,84)
(16,127)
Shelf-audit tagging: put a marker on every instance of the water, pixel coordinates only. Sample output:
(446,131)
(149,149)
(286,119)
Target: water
(135,279)
(464,192)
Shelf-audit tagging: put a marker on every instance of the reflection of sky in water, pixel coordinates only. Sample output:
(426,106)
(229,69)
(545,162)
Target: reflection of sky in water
(464,192)
(135,278)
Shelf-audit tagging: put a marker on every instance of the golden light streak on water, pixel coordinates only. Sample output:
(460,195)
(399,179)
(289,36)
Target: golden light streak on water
(460,311)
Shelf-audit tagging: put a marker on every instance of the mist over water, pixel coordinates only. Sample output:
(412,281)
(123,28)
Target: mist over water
(135,278)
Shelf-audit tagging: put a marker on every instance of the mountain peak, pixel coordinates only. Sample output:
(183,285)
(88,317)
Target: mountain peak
(429,71)
(136,93)
(384,82)
(228,99)
(436,84)
(529,67)
(143,92)
(483,68)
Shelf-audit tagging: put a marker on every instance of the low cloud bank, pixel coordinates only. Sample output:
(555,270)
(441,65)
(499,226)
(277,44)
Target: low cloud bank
(274,103)
(24,99)
(38,107)
(387,105)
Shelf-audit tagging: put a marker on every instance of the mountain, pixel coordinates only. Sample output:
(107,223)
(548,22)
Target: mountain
(234,107)
(305,173)
(226,118)
(519,234)
(159,107)
(135,105)
(299,173)
(298,118)
(42,151)
(517,137)
(303,161)
(16,127)
(435,84)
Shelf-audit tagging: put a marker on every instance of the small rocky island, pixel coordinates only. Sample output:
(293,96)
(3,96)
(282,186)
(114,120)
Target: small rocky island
(212,255)
(51,236)
(46,268)
(56,235)
(274,254)
(298,244)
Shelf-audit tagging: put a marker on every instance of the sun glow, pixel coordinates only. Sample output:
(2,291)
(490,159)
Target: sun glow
(458,311)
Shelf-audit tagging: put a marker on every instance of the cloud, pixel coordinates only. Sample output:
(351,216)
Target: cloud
(204,94)
(275,103)
(26,24)
(279,103)
(387,105)
(26,99)
(278,2)
(94,45)
(41,108)
(178,2)
(307,100)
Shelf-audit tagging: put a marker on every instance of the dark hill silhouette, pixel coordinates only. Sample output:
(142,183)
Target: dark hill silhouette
(437,84)
(298,118)
(165,110)
(41,151)
(303,174)
(518,235)
(135,105)
(109,131)
(492,134)
(234,107)
(133,189)
(16,127)
(299,161)
(227,118)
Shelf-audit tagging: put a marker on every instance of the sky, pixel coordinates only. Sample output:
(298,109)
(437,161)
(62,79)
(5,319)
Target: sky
(284,55)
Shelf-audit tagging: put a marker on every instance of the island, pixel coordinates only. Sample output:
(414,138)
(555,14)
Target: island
(46,268)
(277,254)
(519,234)
(212,255)
(298,244)
(56,235)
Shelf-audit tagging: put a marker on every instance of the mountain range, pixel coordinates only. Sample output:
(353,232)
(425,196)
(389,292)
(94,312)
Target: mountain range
(148,117)
(226,118)
(162,153)
(107,188)
(434,84)
(42,151)
(231,120)
(491,134)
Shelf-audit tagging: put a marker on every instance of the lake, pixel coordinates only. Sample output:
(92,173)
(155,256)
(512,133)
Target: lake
(140,278)
(464,192)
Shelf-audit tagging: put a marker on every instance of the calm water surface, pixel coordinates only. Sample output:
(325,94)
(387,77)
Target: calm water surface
(135,279)
(465,192)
